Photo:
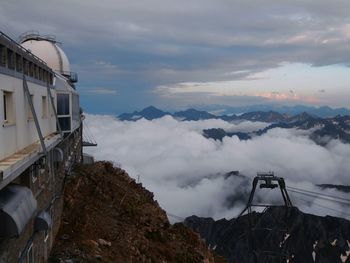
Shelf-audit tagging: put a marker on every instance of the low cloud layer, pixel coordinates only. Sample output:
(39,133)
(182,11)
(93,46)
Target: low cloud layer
(185,170)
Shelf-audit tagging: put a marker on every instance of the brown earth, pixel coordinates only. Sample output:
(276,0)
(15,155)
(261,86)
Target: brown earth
(108,217)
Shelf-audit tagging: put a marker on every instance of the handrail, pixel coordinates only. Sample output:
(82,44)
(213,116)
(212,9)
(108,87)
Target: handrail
(23,49)
(32,109)
(72,76)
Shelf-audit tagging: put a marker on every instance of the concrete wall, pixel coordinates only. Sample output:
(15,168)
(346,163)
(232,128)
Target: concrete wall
(47,189)
(21,131)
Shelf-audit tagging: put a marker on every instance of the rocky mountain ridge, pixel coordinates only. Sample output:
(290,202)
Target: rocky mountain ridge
(323,111)
(278,235)
(264,114)
(323,130)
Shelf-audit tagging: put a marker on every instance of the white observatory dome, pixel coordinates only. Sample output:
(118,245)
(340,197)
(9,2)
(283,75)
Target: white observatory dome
(48,50)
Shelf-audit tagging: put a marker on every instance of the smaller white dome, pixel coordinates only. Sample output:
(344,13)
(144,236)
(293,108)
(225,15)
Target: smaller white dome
(49,52)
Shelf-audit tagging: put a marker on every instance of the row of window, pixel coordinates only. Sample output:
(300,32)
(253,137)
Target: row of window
(14,61)
(9,108)
(63,109)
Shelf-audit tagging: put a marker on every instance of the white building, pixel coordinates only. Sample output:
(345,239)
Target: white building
(40,141)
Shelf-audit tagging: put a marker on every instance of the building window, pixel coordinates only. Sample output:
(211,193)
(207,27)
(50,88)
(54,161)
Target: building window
(62,104)
(35,71)
(31,69)
(29,110)
(5,108)
(2,55)
(63,112)
(25,66)
(19,63)
(8,107)
(64,123)
(10,59)
(30,258)
(44,106)
(40,76)
(45,76)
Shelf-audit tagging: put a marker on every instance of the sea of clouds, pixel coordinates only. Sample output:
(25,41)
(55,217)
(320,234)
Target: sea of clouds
(185,171)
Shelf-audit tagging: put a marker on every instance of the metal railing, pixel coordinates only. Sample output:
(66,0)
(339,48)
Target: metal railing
(22,48)
(72,76)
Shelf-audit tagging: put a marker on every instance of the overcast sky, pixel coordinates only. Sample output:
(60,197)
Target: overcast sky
(131,54)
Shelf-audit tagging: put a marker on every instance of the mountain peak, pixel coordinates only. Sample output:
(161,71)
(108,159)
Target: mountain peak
(194,115)
(151,108)
(149,113)
(304,116)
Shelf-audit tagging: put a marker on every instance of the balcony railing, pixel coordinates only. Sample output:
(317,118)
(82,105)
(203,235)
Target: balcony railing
(72,76)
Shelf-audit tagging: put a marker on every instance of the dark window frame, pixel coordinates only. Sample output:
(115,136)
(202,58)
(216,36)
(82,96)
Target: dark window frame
(19,63)
(63,104)
(5,107)
(31,69)
(25,66)
(3,55)
(10,59)
(8,107)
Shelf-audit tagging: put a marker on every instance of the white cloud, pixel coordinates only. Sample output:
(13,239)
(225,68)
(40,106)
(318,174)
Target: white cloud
(182,168)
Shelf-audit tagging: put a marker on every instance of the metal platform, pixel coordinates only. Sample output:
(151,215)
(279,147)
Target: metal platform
(15,164)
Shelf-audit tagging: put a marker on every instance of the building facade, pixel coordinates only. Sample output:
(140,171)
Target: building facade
(40,141)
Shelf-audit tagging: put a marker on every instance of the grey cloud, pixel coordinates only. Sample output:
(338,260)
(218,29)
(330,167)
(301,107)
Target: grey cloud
(295,31)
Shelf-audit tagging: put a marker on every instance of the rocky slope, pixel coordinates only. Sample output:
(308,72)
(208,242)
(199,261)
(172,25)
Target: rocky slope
(108,217)
(278,235)
(323,131)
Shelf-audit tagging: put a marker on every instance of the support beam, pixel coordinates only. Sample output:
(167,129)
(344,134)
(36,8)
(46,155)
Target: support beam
(27,94)
(54,109)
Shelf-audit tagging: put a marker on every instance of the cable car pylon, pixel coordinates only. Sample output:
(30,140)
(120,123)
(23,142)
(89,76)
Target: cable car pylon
(268,181)
(266,224)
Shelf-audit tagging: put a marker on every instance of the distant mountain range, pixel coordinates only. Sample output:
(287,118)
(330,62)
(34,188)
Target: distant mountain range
(323,112)
(151,113)
(262,113)
(325,129)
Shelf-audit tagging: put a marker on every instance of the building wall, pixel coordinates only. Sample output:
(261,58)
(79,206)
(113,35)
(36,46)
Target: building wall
(48,190)
(21,131)
(22,162)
